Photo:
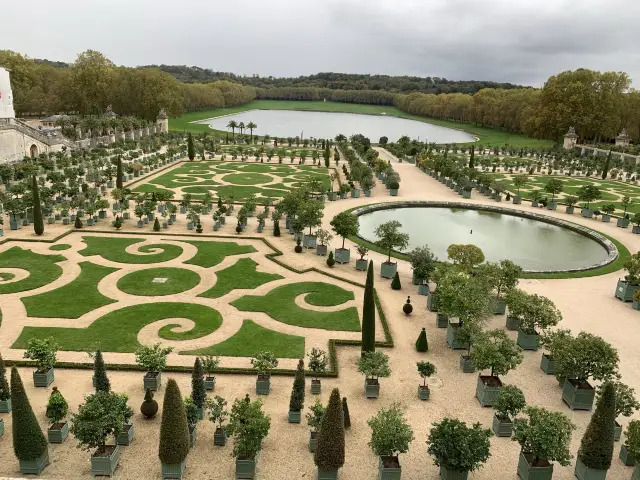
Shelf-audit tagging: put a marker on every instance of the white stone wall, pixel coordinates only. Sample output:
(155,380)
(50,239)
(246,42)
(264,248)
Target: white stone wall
(15,145)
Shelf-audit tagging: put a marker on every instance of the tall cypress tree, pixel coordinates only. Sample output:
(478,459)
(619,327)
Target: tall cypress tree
(5,391)
(329,453)
(119,173)
(296,401)
(100,373)
(28,441)
(198,391)
(38,223)
(473,149)
(174,431)
(345,413)
(191,151)
(369,314)
(596,447)
(605,170)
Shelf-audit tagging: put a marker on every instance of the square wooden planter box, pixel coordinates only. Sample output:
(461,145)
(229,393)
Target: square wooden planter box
(153,381)
(371,388)
(58,433)
(313,441)
(452,328)
(220,437)
(499,306)
(423,289)
(263,384)
(423,392)
(316,386)
(321,250)
(34,467)
(528,341)
(245,469)
(106,466)
(625,291)
(582,472)
(126,436)
(342,255)
(5,406)
(43,379)
(548,364)
(512,323)
(294,416)
(309,241)
(446,474)
(627,458)
(327,474)
(577,398)
(466,364)
(210,383)
(528,472)
(487,395)
(362,265)
(501,428)
(586,213)
(388,270)
(389,472)
(442,321)
(622,223)
(432,305)
(173,470)
(617,432)
(635,475)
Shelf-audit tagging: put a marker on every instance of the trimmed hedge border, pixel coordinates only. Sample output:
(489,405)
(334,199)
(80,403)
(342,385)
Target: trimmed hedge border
(332,371)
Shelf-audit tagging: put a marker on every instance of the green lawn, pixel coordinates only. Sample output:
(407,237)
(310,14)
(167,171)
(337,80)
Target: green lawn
(5,276)
(42,269)
(212,253)
(252,339)
(59,247)
(247,178)
(74,299)
(279,304)
(241,275)
(488,136)
(117,331)
(113,249)
(141,282)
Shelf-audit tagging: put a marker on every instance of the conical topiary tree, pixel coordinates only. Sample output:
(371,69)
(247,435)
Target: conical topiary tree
(5,391)
(174,431)
(345,413)
(38,222)
(395,283)
(421,344)
(596,447)
(28,441)
(198,390)
(191,151)
(296,402)
(471,165)
(329,454)
(100,374)
(369,314)
(78,223)
(156,225)
(276,229)
(119,173)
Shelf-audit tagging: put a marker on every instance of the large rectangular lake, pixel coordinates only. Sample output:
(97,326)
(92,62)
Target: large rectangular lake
(290,123)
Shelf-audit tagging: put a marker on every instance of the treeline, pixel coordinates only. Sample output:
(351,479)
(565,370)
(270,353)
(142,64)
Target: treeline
(599,105)
(336,81)
(93,82)
(369,97)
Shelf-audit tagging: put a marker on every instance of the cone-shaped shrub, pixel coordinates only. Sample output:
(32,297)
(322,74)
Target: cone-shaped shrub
(5,391)
(395,283)
(28,441)
(329,453)
(596,448)
(174,431)
(191,151)
(296,402)
(276,229)
(119,174)
(345,413)
(369,314)
(156,225)
(198,391)
(78,223)
(100,372)
(38,222)
(421,344)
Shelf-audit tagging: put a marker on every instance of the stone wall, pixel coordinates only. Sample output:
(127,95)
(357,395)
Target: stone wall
(14,145)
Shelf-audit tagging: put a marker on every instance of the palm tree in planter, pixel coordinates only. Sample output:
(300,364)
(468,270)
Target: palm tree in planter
(390,436)
(544,437)
(596,447)
(154,360)
(296,402)
(389,238)
(217,408)
(29,444)
(263,363)
(198,391)
(631,283)
(373,365)
(626,202)
(626,403)
(329,454)
(209,364)
(345,225)
(458,449)
(57,409)
(248,425)
(318,362)
(535,314)
(425,369)
(496,351)
(174,433)
(553,342)
(510,402)
(582,358)
(630,449)
(502,277)
(5,391)
(101,416)
(314,420)
(43,352)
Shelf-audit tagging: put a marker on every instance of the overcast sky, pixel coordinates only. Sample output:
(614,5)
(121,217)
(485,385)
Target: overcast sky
(518,41)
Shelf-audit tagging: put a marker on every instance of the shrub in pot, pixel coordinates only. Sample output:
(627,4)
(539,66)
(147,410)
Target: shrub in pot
(423,262)
(57,409)
(544,438)
(198,391)
(5,390)
(458,449)
(626,202)
(390,436)
(193,415)
(296,401)
(630,449)
(318,362)
(502,277)
(361,263)
(535,314)
(553,342)
(631,283)
(248,425)
(345,225)
(174,433)
(149,407)
(425,369)
(570,201)
(465,257)
(127,434)
(314,420)
(510,402)
(422,345)
(154,360)
(329,454)
(373,365)
(626,403)
(324,237)
(29,444)
(217,408)
(263,363)
(209,364)
(596,447)
(43,352)
(389,238)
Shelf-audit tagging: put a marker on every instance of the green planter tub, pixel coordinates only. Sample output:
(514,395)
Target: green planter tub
(361,265)
(153,381)
(263,384)
(517,200)
(423,392)
(342,255)
(627,457)
(106,465)
(582,472)
(513,323)
(432,304)
(622,222)
(316,386)
(389,468)
(625,291)
(294,416)
(313,441)
(174,470)
(371,388)
(446,474)
(245,468)
(36,466)
(528,341)
(617,432)
(58,432)
(548,364)
(219,437)
(466,364)
(499,306)
(586,213)
(127,435)
(501,427)
(43,379)
(210,383)
(635,475)
(423,289)
(578,398)
(486,394)
(526,471)
(327,474)
(193,435)
(441,320)
(388,270)
(5,406)
(452,328)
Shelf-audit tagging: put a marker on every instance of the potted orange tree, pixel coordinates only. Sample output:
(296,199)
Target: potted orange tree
(218,414)
(390,238)
(627,287)
(373,365)
(57,409)
(154,360)
(248,425)
(390,436)
(314,420)
(510,402)
(43,352)
(425,369)
(318,363)
(263,363)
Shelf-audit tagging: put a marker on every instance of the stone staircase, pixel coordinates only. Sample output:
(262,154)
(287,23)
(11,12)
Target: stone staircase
(28,130)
